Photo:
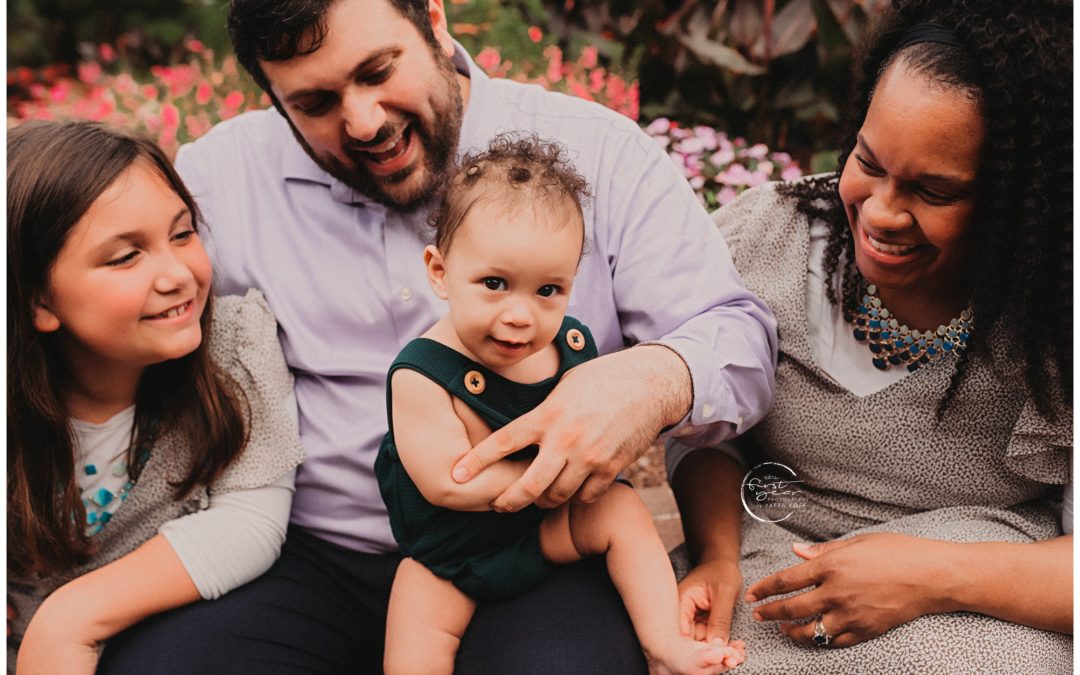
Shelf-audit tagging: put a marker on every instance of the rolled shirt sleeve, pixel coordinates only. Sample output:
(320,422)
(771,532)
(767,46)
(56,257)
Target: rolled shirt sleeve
(675,285)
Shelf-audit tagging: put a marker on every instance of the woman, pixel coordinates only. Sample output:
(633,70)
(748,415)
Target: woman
(924,398)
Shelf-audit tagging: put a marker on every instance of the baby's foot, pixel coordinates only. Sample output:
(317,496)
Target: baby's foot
(689,657)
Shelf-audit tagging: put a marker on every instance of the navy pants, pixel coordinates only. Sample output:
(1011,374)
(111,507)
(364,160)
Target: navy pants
(322,609)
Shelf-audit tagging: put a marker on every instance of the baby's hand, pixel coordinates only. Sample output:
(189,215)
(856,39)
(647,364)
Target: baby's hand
(736,653)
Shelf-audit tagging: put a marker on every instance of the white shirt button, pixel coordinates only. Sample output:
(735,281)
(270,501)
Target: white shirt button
(707,411)
(406,294)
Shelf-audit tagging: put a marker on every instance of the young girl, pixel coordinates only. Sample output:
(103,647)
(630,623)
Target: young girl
(508,240)
(151,448)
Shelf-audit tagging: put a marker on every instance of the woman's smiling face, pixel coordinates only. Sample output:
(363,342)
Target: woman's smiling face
(909,184)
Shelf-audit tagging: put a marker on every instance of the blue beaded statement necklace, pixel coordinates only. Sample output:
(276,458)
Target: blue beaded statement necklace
(894,344)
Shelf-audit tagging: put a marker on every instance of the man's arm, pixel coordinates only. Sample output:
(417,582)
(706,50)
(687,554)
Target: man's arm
(604,412)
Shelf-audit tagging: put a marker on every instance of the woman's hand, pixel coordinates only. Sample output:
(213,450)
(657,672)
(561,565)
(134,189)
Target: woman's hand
(707,598)
(54,644)
(862,587)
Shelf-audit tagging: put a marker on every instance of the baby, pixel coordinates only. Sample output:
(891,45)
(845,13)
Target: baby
(509,237)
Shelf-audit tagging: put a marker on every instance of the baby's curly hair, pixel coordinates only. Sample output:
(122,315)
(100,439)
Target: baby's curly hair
(1016,63)
(515,169)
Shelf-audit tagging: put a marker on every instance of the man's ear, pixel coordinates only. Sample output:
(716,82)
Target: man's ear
(437,16)
(436,270)
(45,321)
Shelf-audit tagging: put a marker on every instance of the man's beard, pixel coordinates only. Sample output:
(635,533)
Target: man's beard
(439,145)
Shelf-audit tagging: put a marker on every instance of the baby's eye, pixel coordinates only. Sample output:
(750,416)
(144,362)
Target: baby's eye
(548,290)
(495,284)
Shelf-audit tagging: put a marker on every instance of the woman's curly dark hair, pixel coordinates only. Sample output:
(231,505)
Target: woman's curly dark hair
(1016,60)
(515,167)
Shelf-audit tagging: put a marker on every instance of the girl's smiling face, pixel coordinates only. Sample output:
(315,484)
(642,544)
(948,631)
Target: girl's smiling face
(131,281)
(909,184)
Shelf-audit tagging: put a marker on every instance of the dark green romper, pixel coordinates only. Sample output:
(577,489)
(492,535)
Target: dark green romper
(489,556)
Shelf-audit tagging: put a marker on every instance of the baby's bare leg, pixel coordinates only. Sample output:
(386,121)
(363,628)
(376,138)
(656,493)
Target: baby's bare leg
(620,526)
(425,622)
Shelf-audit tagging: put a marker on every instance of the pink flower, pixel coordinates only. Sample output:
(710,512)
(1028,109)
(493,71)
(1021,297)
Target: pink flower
(736,174)
(596,81)
(726,195)
(488,59)
(124,83)
(59,91)
(588,57)
(660,125)
(555,64)
(195,46)
(89,72)
(170,116)
(791,172)
(535,34)
(757,177)
(167,139)
(579,90)
(197,125)
(723,156)
(759,151)
(106,52)
(233,100)
(149,91)
(203,93)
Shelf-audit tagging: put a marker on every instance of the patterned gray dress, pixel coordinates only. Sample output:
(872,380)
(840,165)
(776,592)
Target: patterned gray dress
(989,472)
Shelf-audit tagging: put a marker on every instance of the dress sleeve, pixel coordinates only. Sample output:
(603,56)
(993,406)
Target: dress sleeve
(245,345)
(1040,449)
(745,214)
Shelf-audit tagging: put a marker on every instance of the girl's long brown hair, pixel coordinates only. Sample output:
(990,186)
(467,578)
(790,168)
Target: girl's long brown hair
(56,170)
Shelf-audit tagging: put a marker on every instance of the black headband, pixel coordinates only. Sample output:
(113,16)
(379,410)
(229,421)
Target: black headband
(928,32)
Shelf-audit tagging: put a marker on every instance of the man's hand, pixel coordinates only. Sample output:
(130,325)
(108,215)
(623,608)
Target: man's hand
(602,416)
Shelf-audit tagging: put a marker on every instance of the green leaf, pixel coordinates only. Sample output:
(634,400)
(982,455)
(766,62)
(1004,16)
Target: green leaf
(792,28)
(824,162)
(696,39)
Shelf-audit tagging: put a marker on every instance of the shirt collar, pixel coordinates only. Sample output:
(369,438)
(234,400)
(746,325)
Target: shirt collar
(297,165)
(479,93)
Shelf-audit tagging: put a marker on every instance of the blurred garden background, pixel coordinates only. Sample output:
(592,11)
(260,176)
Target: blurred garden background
(738,91)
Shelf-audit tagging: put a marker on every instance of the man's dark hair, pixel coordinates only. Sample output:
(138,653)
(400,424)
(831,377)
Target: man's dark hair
(1015,62)
(278,30)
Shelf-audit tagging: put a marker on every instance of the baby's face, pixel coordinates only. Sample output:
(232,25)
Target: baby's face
(508,279)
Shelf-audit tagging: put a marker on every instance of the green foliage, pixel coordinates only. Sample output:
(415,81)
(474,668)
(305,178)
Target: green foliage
(145,32)
(504,25)
(772,70)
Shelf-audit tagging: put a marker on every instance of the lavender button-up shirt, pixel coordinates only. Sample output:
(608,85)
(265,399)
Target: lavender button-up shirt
(345,279)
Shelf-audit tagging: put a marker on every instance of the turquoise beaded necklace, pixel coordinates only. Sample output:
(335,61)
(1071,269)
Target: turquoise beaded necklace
(894,344)
(100,504)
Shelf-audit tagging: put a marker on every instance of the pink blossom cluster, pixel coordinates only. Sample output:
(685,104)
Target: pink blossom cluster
(175,105)
(717,167)
(179,103)
(583,77)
